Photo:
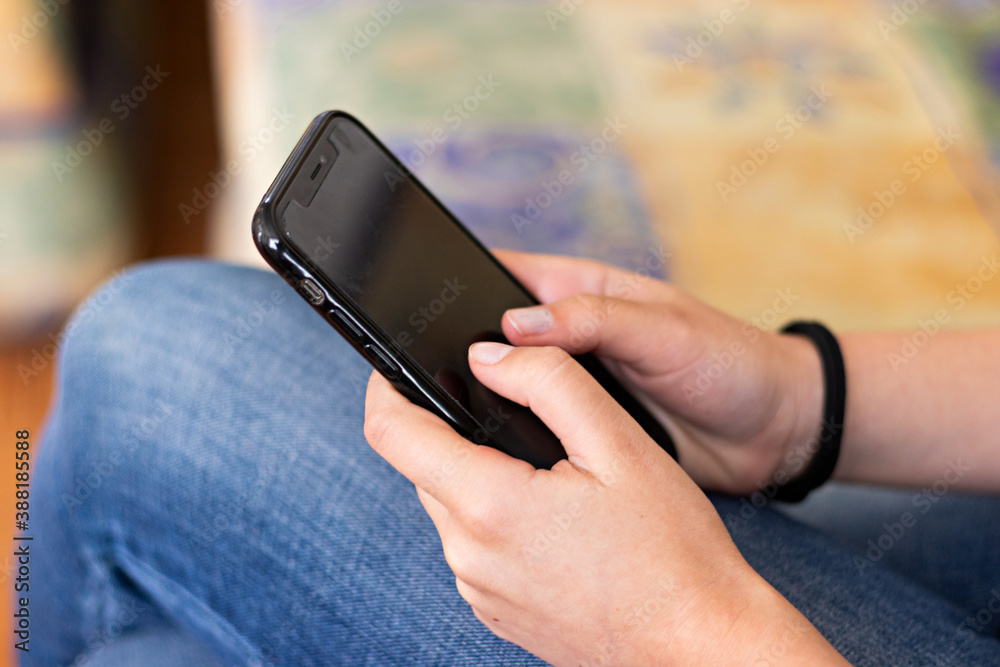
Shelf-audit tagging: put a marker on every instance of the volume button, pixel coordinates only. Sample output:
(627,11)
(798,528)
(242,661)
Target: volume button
(345,323)
(384,364)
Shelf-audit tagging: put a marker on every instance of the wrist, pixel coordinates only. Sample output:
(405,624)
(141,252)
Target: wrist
(771,631)
(824,450)
(804,395)
(742,620)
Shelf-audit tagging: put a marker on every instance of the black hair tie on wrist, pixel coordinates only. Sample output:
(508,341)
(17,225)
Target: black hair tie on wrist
(819,470)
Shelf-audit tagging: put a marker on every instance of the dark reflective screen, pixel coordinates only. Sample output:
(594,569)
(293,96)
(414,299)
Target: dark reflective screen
(428,286)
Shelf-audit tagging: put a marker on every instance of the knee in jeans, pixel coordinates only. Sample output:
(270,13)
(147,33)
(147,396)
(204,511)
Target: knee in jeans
(111,405)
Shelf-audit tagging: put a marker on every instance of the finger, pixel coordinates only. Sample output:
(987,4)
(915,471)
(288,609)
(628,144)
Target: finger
(429,453)
(650,338)
(552,277)
(595,430)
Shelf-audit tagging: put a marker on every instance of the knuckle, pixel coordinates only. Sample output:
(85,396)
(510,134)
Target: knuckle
(462,564)
(669,293)
(588,306)
(674,318)
(555,366)
(483,519)
(553,356)
(589,315)
(379,429)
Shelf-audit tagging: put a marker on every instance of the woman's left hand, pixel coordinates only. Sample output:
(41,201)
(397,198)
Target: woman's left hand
(612,557)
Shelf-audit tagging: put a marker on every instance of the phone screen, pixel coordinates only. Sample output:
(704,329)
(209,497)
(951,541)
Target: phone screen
(400,257)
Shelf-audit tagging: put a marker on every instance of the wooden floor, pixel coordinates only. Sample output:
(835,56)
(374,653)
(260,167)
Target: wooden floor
(177,128)
(23,408)
(25,402)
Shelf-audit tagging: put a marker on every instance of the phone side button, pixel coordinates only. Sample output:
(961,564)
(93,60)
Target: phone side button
(388,368)
(345,324)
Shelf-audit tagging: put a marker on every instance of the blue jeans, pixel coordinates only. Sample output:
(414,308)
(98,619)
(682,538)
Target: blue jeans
(204,495)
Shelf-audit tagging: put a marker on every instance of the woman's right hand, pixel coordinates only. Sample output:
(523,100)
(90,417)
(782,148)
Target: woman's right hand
(743,405)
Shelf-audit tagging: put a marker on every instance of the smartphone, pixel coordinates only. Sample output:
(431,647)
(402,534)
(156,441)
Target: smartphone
(409,287)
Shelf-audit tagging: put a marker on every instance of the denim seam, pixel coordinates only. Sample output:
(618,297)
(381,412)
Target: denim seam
(173,596)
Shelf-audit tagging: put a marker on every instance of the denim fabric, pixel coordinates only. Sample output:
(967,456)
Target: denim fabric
(204,495)
(951,546)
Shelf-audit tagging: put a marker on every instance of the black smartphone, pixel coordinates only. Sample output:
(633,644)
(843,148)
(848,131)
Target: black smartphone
(398,276)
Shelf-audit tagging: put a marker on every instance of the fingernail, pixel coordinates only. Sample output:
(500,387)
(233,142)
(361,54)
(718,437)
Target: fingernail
(530,321)
(489,353)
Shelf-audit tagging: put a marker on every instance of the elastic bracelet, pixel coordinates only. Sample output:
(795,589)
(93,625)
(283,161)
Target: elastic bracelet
(824,461)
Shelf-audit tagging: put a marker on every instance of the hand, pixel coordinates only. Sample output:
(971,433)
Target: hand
(744,406)
(612,557)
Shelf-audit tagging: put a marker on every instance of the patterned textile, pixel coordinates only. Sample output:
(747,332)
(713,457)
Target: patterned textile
(64,210)
(792,159)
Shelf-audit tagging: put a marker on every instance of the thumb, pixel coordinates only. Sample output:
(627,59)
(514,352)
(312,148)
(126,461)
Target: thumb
(597,433)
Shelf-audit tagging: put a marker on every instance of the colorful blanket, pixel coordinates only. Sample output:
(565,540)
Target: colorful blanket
(765,148)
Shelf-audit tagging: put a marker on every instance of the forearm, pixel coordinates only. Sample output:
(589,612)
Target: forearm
(921,415)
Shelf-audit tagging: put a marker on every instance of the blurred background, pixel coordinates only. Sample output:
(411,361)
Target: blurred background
(778,158)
